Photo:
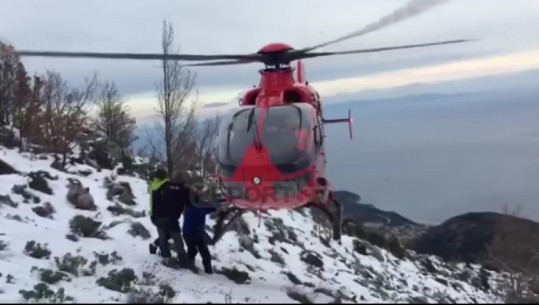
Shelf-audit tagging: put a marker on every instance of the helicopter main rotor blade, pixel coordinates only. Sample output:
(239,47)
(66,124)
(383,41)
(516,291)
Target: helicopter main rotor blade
(138,56)
(410,9)
(296,56)
(222,63)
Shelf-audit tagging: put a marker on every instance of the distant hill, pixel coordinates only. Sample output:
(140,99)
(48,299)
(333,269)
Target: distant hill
(367,213)
(471,237)
(500,82)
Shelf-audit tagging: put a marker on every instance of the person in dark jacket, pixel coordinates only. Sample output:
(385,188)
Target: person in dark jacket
(168,199)
(194,234)
(158,178)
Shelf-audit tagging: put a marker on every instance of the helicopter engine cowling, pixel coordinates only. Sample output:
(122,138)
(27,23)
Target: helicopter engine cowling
(249,97)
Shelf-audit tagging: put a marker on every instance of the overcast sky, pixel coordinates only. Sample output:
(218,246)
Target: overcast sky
(507,33)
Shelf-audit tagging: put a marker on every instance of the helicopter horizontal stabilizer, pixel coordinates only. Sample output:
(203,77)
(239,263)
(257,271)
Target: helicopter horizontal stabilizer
(349,120)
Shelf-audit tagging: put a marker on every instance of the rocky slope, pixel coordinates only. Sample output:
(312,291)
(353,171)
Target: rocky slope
(79,250)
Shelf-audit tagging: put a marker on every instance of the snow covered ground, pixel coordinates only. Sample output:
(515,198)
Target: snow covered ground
(281,259)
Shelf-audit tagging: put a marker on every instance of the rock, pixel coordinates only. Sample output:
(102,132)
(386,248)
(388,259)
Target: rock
(294,279)
(107,182)
(86,227)
(45,211)
(359,247)
(419,300)
(80,196)
(138,229)
(22,190)
(375,252)
(5,199)
(114,189)
(85,172)
(39,183)
(85,201)
(6,169)
(72,237)
(57,165)
(235,275)
(121,189)
(312,258)
(117,210)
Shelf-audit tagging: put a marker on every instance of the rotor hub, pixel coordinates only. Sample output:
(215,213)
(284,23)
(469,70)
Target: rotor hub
(277,47)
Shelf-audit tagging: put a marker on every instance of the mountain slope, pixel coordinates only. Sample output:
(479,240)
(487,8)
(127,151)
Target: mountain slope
(467,237)
(278,258)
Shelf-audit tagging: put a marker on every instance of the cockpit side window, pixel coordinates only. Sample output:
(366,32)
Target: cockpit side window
(234,139)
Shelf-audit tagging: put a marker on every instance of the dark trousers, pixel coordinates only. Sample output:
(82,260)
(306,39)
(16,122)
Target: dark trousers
(196,243)
(169,228)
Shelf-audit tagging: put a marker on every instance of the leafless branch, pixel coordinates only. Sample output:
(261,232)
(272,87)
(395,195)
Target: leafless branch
(176,110)
(113,121)
(8,74)
(66,111)
(206,144)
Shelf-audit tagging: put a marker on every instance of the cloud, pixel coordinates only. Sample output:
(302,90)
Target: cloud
(445,72)
(241,26)
(213,105)
(436,73)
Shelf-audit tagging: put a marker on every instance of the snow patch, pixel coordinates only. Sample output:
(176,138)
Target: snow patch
(282,259)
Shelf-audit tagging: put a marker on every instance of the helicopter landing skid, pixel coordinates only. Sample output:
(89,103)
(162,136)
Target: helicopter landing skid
(334,215)
(220,226)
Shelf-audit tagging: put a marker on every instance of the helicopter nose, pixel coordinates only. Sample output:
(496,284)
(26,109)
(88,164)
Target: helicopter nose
(257,176)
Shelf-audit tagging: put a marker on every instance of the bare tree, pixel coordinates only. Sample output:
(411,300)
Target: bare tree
(206,136)
(21,101)
(26,106)
(114,121)
(515,250)
(66,111)
(151,149)
(9,62)
(176,110)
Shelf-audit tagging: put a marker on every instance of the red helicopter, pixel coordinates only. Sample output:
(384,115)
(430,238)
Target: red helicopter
(271,151)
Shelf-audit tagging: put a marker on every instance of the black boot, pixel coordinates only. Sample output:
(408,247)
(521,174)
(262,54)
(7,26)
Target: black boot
(207,267)
(153,249)
(188,263)
(170,262)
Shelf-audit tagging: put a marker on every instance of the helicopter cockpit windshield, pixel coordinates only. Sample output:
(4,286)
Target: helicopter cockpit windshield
(286,134)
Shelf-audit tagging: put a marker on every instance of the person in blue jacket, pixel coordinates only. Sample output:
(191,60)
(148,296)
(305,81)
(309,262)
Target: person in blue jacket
(194,234)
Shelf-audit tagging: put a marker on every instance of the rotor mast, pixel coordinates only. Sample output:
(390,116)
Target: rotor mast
(276,75)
